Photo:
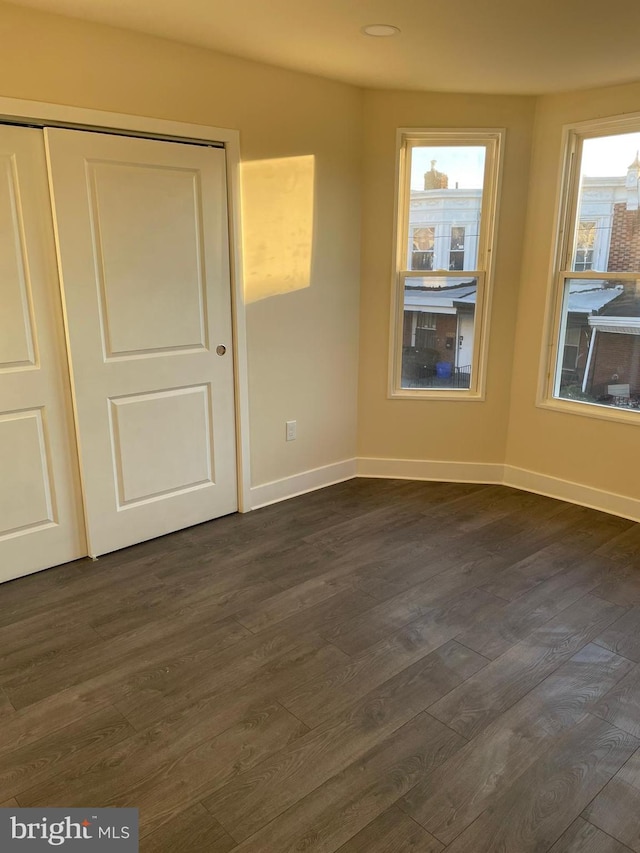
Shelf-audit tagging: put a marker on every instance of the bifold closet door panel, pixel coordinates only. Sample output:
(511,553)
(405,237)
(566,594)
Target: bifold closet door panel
(41,521)
(141,227)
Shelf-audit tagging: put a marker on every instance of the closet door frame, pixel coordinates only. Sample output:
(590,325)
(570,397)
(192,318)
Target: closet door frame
(40,114)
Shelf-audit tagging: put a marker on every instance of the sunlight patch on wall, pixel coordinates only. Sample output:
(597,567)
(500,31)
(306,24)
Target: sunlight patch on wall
(277,223)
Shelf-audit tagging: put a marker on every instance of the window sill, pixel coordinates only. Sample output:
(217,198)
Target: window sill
(436,394)
(591,410)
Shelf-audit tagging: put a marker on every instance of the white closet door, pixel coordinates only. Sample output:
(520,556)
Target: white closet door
(142,239)
(40,510)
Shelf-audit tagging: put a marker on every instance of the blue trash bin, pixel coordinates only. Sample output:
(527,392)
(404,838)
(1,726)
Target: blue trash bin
(443,370)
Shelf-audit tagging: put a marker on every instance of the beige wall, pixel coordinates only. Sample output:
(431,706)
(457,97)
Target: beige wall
(310,146)
(421,429)
(303,317)
(592,452)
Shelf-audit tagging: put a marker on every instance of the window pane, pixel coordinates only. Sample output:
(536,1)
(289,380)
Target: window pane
(438,331)
(607,237)
(585,241)
(457,238)
(422,248)
(600,337)
(444,206)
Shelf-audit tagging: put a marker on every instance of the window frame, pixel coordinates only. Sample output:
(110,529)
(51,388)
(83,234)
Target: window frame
(492,139)
(561,271)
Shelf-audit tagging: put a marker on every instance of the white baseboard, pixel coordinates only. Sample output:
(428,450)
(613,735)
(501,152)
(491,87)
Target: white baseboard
(299,484)
(448,472)
(506,475)
(575,493)
(425,469)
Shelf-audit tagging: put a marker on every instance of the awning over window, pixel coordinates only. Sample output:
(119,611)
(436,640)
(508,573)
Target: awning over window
(616,325)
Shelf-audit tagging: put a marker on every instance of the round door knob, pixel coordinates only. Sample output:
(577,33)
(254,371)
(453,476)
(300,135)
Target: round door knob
(221,349)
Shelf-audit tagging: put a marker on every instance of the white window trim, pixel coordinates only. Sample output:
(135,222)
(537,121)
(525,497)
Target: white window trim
(493,139)
(568,187)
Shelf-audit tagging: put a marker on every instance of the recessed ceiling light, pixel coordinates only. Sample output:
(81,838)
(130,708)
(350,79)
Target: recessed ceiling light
(380,30)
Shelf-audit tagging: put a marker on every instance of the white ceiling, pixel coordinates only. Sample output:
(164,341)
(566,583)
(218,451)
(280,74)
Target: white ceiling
(499,46)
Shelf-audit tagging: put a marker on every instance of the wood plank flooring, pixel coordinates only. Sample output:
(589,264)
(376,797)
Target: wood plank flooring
(377,667)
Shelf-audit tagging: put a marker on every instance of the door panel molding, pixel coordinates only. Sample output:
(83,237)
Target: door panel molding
(24,450)
(129,442)
(17,318)
(185,323)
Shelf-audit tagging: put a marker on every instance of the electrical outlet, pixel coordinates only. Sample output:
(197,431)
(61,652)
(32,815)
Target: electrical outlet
(291,430)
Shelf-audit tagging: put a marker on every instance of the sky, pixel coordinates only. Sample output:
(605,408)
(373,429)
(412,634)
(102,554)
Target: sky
(609,155)
(602,156)
(462,164)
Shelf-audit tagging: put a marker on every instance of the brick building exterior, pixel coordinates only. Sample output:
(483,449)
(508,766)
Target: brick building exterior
(616,361)
(624,248)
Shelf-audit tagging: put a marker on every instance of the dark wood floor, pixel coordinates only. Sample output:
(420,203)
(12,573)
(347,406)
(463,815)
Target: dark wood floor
(378,667)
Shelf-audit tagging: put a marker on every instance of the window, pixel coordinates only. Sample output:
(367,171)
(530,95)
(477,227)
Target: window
(456,253)
(571,348)
(597,294)
(422,249)
(426,327)
(585,241)
(446,216)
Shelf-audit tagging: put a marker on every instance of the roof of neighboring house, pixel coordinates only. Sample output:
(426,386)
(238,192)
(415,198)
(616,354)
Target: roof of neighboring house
(616,325)
(614,309)
(589,297)
(469,299)
(434,297)
(627,304)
